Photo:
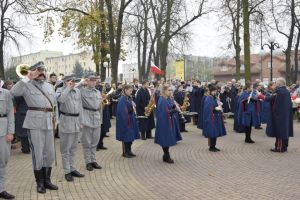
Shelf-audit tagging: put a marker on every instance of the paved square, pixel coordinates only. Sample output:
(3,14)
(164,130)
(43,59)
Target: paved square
(239,171)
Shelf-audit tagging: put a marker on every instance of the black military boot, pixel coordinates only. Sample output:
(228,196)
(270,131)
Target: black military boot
(130,152)
(39,177)
(47,182)
(166,157)
(6,195)
(248,136)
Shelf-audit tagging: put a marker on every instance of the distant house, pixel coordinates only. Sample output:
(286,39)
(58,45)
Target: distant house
(260,68)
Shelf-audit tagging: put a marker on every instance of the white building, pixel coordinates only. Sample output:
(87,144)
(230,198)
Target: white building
(56,62)
(65,64)
(33,58)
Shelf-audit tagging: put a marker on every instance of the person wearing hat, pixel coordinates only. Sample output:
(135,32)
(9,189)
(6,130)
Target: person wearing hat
(91,119)
(7,129)
(41,119)
(213,123)
(70,119)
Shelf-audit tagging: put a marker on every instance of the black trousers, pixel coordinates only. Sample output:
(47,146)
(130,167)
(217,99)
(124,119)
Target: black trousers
(248,130)
(166,150)
(102,136)
(24,145)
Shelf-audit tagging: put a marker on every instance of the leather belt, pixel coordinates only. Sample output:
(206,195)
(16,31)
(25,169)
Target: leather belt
(41,109)
(69,114)
(3,115)
(91,109)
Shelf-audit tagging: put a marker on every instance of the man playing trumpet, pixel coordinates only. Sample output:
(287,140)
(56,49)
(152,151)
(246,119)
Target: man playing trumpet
(41,120)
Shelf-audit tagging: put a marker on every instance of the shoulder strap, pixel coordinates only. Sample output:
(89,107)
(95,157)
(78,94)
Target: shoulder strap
(43,93)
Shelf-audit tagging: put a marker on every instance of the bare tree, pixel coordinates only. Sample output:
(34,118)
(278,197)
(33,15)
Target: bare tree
(10,28)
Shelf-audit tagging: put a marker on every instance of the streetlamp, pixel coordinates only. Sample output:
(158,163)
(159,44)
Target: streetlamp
(108,64)
(272,45)
(132,70)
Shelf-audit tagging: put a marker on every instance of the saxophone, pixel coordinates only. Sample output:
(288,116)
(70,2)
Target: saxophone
(150,107)
(186,103)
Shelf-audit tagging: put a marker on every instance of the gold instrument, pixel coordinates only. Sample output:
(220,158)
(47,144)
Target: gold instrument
(186,103)
(105,101)
(150,107)
(22,70)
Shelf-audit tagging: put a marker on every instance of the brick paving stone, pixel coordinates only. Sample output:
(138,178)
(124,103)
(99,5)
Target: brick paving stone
(239,171)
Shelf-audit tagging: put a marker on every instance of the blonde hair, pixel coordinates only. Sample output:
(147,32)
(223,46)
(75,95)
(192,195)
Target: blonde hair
(164,89)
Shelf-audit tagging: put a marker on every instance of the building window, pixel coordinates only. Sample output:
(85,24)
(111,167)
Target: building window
(269,65)
(224,68)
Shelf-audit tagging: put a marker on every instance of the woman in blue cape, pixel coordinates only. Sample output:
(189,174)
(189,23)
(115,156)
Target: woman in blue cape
(238,128)
(213,123)
(266,105)
(126,124)
(167,127)
(248,111)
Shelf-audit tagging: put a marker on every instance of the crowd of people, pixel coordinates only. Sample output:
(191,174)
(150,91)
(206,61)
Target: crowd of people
(35,109)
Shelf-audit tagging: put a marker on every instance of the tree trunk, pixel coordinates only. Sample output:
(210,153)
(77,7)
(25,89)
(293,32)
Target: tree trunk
(247,53)
(2,75)
(139,55)
(296,56)
(166,40)
(103,39)
(238,42)
(289,46)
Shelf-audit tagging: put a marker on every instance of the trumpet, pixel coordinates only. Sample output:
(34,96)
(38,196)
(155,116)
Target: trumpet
(105,101)
(22,70)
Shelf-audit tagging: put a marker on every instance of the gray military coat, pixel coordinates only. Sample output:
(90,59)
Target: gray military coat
(7,124)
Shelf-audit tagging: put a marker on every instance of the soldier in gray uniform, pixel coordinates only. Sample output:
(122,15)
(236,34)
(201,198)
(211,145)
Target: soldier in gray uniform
(40,120)
(70,119)
(7,129)
(91,120)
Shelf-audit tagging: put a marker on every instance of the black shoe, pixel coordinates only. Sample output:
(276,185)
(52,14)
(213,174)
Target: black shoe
(96,166)
(25,151)
(132,154)
(75,173)
(150,137)
(213,149)
(217,149)
(6,195)
(278,151)
(249,141)
(69,177)
(258,128)
(168,159)
(39,177)
(89,167)
(106,136)
(184,130)
(47,182)
(101,148)
(127,155)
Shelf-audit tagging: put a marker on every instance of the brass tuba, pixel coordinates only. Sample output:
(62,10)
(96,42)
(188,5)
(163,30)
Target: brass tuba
(105,101)
(22,70)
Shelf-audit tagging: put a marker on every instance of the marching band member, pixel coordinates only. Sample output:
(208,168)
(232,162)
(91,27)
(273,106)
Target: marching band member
(91,120)
(213,123)
(142,100)
(7,129)
(249,111)
(280,124)
(126,124)
(179,95)
(167,131)
(70,119)
(40,119)
(115,98)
